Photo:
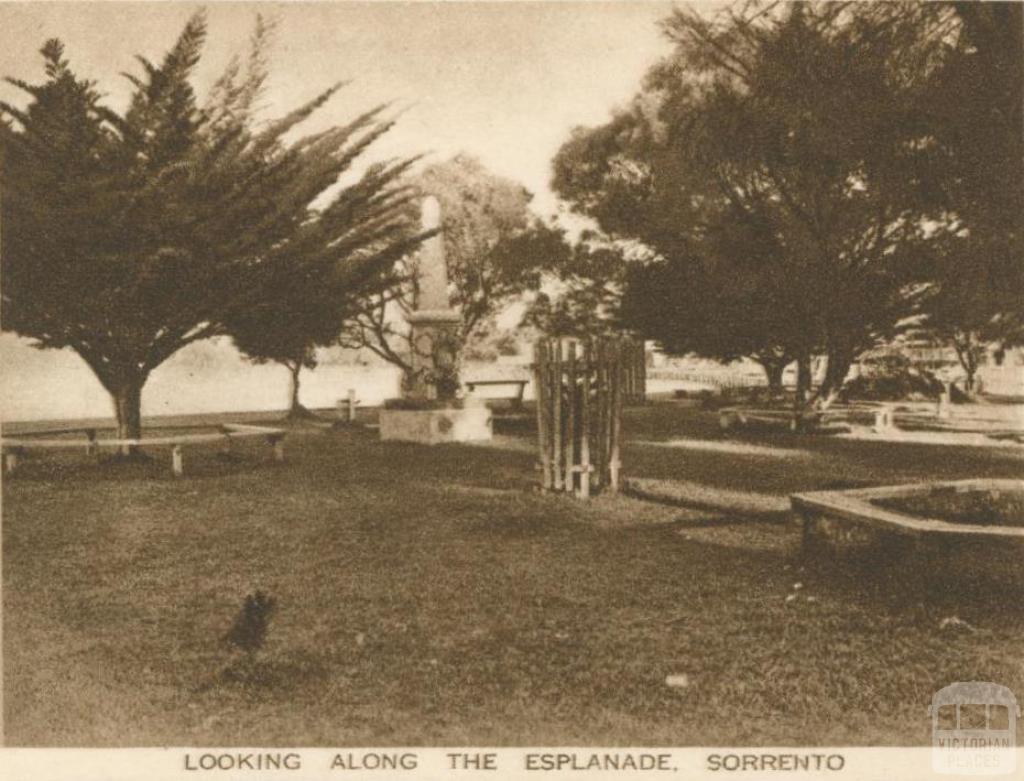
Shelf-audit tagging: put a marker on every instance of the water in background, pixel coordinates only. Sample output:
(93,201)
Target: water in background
(205,377)
(211,377)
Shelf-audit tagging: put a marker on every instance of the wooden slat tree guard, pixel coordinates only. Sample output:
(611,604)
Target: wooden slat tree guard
(581,386)
(634,381)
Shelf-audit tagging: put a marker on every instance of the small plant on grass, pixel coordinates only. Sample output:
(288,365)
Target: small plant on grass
(250,628)
(252,667)
(248,635)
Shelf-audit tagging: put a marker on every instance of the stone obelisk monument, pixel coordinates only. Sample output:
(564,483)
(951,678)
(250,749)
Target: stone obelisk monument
(435,337)
(429,412)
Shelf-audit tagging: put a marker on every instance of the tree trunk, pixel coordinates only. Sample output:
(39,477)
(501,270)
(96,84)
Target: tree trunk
(839,361)
(124,383)
(967,351)
(803,390)
(127,398)
(773,371)
(295,409)
(969,380)
(803,379)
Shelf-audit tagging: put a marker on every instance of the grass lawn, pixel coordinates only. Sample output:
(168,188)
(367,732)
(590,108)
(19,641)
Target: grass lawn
(432,597)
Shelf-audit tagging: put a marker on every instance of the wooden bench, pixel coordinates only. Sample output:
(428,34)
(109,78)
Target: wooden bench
(517,399)
(13,449)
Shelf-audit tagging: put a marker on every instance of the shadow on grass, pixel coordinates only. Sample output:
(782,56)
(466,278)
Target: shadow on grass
(257,673)
(261,674)
(437,599)
(149,465)
(857,464)
(981,578)
(709,514)
(717,517)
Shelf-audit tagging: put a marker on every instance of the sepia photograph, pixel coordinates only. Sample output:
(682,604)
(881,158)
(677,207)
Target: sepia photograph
(402,375)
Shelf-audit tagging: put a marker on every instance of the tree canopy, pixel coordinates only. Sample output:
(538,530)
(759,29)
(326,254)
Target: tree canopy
(128,236)
(976,113)
(784,168)
(581,294)
(495,249)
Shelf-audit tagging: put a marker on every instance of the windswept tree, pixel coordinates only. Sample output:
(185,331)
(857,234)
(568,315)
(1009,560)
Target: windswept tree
(129,236)
(315,296)
(799,121)
(495,249)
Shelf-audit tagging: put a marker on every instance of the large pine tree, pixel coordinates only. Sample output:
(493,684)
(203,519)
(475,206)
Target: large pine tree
(129,236)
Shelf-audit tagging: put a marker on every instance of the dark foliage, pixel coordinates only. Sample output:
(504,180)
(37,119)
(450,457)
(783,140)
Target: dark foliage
(128,237)
(800,170)
(249,632)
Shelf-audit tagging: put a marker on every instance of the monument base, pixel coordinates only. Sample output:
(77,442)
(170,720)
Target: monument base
(436,426)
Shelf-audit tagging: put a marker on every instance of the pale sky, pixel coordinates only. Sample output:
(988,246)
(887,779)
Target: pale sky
(503,81)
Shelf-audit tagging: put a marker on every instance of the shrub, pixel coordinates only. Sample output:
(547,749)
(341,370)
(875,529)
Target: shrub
(250,628)
(892,377)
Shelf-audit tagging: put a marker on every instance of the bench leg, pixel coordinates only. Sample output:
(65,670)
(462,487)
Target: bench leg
(10,463)
(279,450)
(177,461)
